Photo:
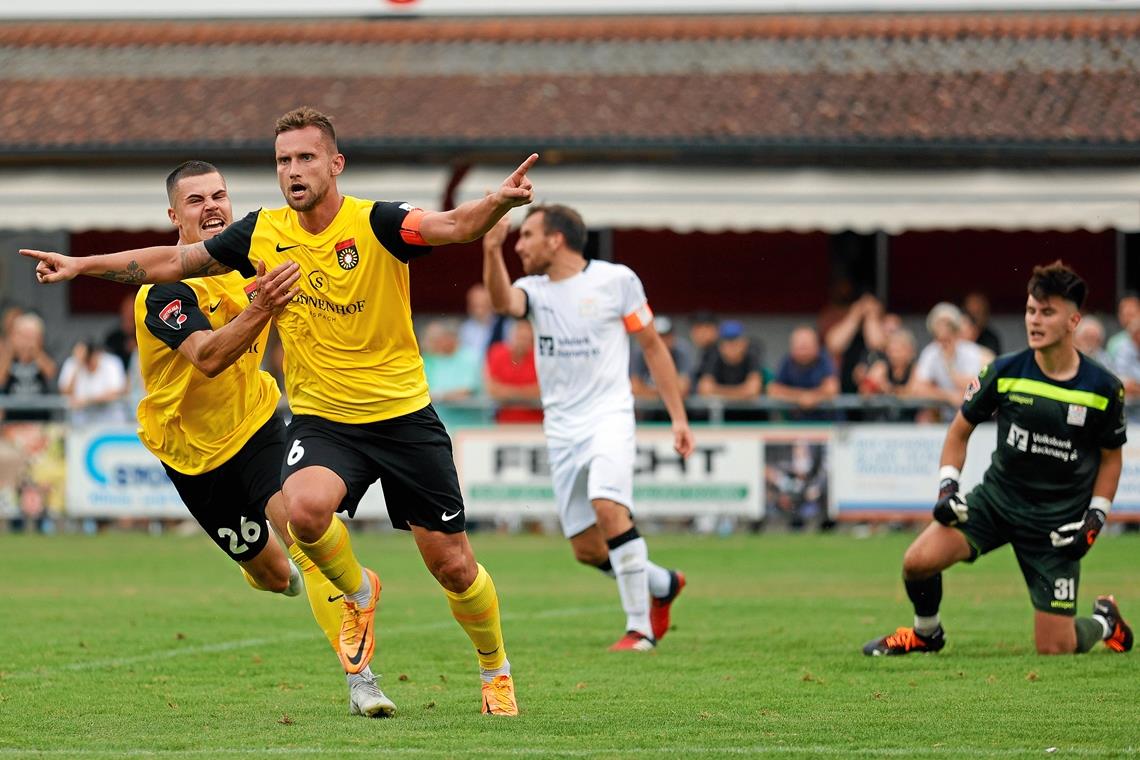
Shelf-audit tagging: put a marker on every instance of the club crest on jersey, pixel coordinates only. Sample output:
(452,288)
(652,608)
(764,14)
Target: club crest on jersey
(251,291)
(172,314)
(347,255)
(974,386)
(1077,414)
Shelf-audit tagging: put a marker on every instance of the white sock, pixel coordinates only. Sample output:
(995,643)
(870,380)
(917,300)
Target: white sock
(489,675)
(363,594)
(296,580)
(630,562)
(927,625)
(364,675)
(660,581)
(1103,624)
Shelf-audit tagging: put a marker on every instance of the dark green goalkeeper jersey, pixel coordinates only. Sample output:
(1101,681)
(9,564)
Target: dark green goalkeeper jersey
(1050,433)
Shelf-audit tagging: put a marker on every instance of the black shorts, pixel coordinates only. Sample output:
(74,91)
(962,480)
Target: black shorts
(229,501)
(410,455)
(1051,577)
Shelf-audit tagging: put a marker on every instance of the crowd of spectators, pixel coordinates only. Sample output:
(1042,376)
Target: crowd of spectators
(854,350)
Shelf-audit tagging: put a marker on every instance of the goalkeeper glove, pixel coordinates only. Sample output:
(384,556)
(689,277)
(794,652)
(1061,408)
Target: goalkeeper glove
(1076,538)
(950,509)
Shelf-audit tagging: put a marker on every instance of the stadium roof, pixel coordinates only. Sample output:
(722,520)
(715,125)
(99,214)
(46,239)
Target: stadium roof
(1013,89)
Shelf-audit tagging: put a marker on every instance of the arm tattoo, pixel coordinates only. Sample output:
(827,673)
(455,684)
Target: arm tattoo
(132,275)
(196,262)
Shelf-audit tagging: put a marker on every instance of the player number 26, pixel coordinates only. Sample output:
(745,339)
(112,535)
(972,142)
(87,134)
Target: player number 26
(250,531)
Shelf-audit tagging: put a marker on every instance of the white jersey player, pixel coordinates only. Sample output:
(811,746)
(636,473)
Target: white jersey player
(583,313)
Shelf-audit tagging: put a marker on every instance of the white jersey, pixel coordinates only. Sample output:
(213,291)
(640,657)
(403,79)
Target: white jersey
(581,336)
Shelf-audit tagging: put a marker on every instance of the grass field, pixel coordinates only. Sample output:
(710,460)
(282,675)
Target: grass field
(139,646)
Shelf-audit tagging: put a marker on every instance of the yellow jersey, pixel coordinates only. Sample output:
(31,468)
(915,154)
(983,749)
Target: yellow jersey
(350,351)
(194,423)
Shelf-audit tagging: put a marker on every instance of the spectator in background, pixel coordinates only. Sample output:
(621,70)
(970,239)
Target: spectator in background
(1089,340)
(1127,311)
(1126,361)
(977,306)
(454,373)
(7,316)
(806,376)
(948,363)
(890,373)
(510,375)
(26,371)
(121,341)
(639,376)
(856,334)
(703,333)
(731,370)
(890,323)
(478,331)
(95,384)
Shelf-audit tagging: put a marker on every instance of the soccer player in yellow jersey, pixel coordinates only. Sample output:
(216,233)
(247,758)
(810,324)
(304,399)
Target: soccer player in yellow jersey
(353,374)
(210,411)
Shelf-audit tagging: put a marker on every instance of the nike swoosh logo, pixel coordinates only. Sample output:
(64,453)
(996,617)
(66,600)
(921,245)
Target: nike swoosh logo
(281,248)
(215,307)
(334,598)
(445,518)
(360,650)
(486,654)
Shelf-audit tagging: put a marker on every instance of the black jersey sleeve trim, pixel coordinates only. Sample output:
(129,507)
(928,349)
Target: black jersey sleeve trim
(231,246)
(385,219)
(173,313)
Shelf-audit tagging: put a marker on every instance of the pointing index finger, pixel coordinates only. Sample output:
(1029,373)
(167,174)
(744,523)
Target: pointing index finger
(525,166)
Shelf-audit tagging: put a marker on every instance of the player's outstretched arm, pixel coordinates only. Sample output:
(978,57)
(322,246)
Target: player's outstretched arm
(473,219)
(211,351)
(505,298)
(163,263)
(664,372)
(951,509)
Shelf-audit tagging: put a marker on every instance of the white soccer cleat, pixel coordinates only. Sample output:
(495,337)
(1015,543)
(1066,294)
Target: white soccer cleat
(365,698)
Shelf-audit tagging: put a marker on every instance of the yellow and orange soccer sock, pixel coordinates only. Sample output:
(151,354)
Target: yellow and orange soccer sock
(324,597)
(332,554)
(477,610)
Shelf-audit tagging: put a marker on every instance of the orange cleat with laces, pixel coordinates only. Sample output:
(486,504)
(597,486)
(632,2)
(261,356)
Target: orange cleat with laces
(357,634)
(499,696)
(905,641)
(1120,639)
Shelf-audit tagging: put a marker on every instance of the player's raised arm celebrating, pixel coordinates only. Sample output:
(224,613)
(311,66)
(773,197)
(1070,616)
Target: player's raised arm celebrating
(472,219)
(161,263)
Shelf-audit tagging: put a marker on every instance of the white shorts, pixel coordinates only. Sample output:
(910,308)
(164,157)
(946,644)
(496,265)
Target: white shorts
(599,467)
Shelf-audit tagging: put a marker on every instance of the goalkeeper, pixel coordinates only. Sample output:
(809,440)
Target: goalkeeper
(1048,489)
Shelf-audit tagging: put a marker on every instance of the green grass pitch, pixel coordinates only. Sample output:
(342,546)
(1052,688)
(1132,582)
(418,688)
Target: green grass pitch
(138,646)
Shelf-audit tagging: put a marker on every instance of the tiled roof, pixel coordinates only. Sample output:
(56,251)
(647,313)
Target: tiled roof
(953,82)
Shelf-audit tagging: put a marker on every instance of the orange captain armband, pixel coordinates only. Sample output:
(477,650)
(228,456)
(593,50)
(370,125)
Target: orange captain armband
(410,227)
(638,319)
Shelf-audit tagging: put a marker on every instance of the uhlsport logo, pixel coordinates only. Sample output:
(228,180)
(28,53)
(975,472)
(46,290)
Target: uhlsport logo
(347,255)
(172,314)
